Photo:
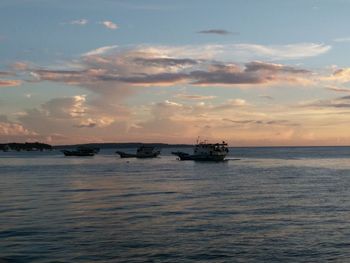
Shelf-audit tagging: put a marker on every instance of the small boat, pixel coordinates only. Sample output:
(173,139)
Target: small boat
(142,152)
(204,151)
(81,151)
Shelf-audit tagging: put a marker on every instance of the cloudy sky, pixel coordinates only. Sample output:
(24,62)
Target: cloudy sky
(253,73)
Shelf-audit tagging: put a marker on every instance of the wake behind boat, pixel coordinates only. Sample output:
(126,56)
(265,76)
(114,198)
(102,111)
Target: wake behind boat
(142,152)
(203,151)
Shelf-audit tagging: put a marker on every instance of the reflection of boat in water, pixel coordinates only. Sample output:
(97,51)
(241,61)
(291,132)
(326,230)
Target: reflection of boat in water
(81,151)
(203,151)
(142,152)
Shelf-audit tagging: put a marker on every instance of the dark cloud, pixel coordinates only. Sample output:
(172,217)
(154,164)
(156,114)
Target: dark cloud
(336,89)
(166,62)
(266,97)
(338,72)
(262,122)
(3,118)
(341,102)
(222,77)
(87,125)
(59,72)
(216,32)
(165,78)
(239,122)
(260,66)
(253,73)
(6,73)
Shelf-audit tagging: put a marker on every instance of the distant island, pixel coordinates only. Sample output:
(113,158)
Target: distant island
(121,145)
(37,146)
(28,146)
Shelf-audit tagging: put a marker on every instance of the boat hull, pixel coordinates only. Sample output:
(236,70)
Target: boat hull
(130,155)
(77,153)
(200,157)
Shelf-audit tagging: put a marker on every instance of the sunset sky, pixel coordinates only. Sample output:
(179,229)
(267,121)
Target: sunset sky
(252,73)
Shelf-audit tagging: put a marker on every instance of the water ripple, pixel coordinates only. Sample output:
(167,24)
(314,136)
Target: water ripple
(273,205)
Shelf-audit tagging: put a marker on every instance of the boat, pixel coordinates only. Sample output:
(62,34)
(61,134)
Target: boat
(204,151)
(81,151)
(143,151)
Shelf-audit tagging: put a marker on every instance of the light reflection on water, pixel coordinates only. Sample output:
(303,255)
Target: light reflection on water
(266,207)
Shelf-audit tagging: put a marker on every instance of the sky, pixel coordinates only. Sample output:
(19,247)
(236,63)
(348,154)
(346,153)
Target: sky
(252,73)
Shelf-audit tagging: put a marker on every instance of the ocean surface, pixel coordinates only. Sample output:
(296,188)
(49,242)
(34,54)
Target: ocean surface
(264,205)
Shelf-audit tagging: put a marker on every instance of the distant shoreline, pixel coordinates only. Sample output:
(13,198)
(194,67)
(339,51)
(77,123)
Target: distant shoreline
(121,145)
(24,146)
(169,145)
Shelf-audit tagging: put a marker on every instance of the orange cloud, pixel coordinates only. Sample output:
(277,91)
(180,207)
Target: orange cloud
(10,83)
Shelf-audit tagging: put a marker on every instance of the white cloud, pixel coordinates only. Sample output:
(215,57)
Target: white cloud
(110,25)
(101,50)
(100,122)
(194,96)
(238,102)
(65,108)
(8,128)
(79,22)
(64,115)
(240,52)
(342,39)
(280,52)
(172,103)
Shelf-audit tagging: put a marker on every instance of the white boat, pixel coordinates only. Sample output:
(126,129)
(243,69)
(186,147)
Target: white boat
(142,152)
(204,151)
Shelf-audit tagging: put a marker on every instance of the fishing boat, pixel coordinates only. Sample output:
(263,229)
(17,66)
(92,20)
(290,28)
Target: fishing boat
(143,151)
(81,151)
(203,151)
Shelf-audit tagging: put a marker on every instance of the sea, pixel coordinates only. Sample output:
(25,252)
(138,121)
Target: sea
(278,204)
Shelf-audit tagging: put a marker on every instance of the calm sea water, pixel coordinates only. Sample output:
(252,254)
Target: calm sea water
(272,205)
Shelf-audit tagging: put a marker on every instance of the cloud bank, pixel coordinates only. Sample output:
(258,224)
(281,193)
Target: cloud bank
(113,74)
(162,66)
